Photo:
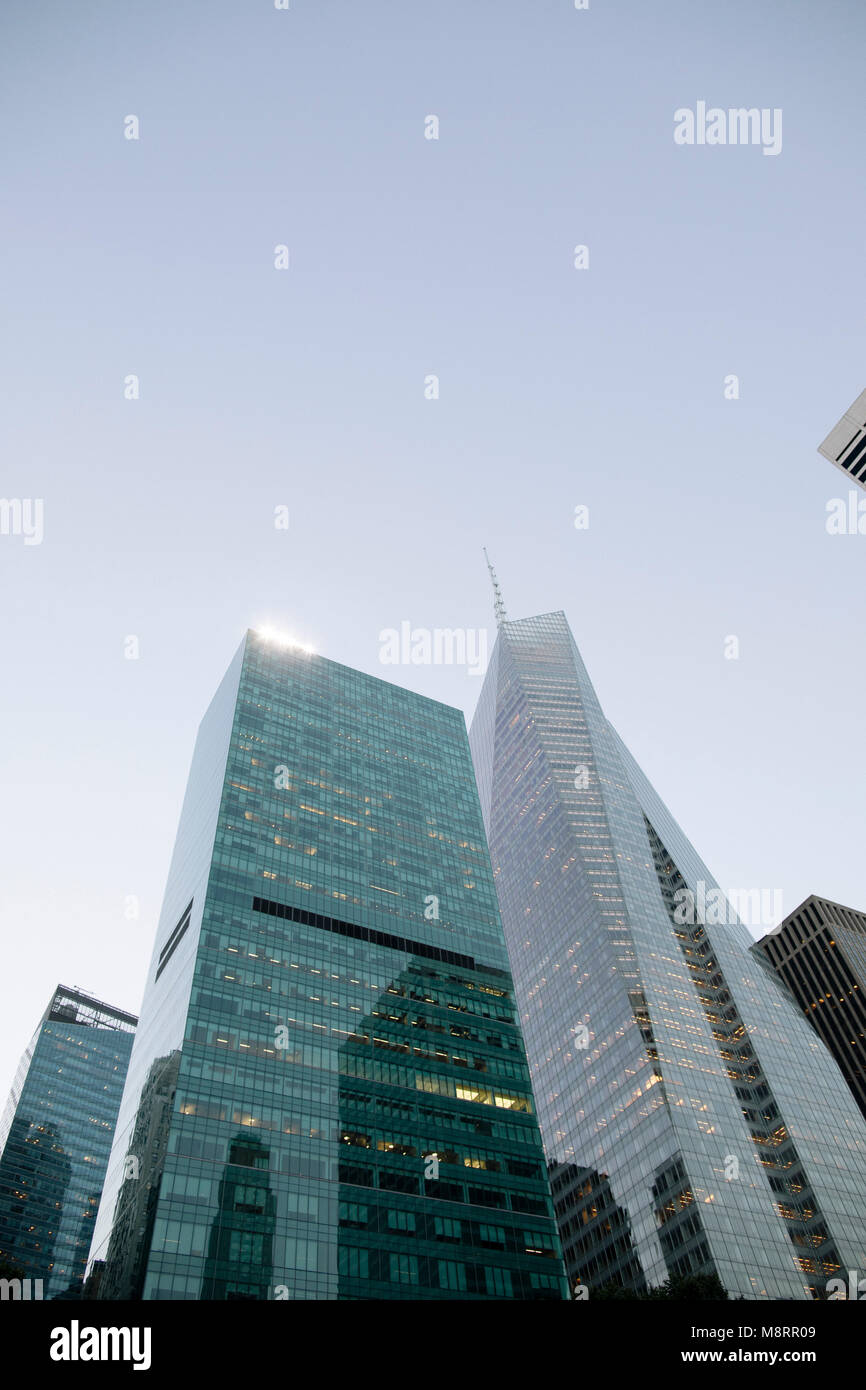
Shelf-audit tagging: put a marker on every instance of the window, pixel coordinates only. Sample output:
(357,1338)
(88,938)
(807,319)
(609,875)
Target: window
(353,1262)
(452,1275)
(250,1200)
(492,1235)
(445,1228)
(404,1269)
(245,1247)
(352,1214)
(537,1243)
(498,1282)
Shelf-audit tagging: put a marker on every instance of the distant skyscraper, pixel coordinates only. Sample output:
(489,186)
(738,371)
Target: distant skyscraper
(820,953)
(692,1120)
(845,445)
(329,1095)
(55,1138)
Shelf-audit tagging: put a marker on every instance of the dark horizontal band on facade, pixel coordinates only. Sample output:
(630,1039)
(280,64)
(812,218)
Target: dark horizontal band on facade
(376,938)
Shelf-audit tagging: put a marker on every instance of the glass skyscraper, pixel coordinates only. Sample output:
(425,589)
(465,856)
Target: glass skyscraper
(692,1120)
(819,951)
(55,1138)
(329,1095)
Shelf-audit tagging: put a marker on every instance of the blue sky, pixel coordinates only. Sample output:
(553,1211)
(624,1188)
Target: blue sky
(305,388)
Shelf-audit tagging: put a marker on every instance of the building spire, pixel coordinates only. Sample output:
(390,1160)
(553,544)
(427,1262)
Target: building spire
(498,605)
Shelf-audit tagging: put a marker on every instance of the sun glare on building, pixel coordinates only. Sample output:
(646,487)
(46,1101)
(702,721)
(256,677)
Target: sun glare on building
(283,639)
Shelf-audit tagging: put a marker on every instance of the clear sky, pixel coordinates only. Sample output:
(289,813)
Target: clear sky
(305,388)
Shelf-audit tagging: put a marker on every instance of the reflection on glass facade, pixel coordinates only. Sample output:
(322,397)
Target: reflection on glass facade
(55,1138)
(692,1121)
(240,1253)
(329,1095)
(120,1274)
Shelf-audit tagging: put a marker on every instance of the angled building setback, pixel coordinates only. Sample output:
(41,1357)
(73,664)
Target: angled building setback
(693,1122)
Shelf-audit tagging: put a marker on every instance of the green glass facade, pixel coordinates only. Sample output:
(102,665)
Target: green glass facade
(329,1096)
(55,1139)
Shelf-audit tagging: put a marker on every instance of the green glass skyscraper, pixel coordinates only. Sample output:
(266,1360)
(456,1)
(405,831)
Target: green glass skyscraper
(55,1139)
(329,1095)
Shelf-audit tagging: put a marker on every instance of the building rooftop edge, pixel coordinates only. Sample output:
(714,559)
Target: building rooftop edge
(91,1000)
(812,898)
(355,671)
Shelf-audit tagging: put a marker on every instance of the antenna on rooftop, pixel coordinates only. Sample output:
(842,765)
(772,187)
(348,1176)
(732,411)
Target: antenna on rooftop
(498,604)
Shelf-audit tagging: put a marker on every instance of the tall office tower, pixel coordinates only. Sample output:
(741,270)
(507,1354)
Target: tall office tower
(845,445)
(329,1095)
(692,1121)
(55,1138)
(820,953)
